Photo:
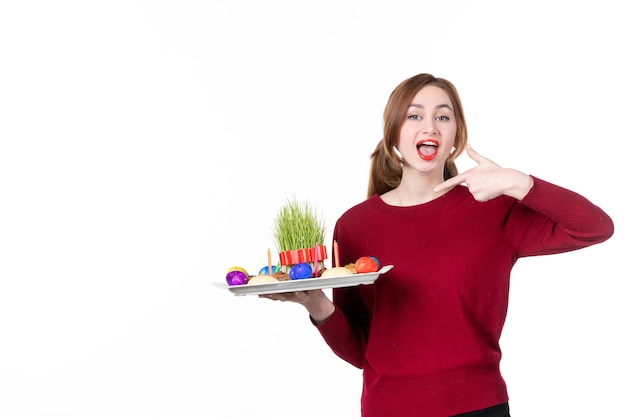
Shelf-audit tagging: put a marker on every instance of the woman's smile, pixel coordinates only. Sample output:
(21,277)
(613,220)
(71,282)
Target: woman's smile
(427,149)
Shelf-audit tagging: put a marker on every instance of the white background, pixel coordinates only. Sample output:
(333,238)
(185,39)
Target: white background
(147,145)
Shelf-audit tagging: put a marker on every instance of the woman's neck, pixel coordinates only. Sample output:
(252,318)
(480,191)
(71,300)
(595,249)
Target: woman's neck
(413,191)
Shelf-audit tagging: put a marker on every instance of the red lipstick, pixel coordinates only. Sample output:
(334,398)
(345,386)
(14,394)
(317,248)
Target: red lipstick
(427,149)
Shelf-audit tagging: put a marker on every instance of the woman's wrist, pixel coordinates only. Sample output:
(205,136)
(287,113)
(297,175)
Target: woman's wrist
(520,185)
(320,309)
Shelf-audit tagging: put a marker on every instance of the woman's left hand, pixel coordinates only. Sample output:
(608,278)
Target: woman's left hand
(487,180)
(319,306)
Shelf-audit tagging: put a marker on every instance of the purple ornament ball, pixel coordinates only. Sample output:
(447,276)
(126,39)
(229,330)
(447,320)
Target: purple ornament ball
(236,278)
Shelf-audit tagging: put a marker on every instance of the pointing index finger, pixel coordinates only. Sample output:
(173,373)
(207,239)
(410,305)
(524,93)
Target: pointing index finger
(451,182)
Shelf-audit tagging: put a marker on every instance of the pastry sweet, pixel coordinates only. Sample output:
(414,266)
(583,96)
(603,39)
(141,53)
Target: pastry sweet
(337,271)
(282,276)
(262,279)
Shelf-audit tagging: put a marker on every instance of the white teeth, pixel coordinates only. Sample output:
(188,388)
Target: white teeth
(429,143)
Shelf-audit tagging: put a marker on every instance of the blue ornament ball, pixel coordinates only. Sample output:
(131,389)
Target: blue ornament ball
(266,271)
(301,271)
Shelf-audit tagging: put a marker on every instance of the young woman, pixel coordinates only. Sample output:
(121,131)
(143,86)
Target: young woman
(426,334)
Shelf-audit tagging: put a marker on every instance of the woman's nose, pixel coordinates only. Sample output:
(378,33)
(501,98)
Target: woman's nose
(429,129)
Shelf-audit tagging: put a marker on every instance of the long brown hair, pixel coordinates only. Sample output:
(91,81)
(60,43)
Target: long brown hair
(386,166)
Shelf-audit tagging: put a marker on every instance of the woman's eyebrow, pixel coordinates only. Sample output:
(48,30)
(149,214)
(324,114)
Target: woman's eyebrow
(421,106)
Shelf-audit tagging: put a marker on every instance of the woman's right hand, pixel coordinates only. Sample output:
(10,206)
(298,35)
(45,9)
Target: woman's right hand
(488,180)
(316,302)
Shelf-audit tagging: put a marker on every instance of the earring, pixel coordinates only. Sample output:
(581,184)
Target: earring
(397,151)
(452,150)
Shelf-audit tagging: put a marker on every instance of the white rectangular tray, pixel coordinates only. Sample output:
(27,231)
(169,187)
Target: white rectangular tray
(304,284)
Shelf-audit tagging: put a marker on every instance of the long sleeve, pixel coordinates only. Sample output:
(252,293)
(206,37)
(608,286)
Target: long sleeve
(347,337)
(552,219)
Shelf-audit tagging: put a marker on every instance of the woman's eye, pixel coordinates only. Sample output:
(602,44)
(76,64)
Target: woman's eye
(414,117)
(444,118)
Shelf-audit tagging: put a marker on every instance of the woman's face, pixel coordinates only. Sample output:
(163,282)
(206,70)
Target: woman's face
(428,132)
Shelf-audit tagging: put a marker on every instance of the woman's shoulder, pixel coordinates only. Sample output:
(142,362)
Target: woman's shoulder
(370,203)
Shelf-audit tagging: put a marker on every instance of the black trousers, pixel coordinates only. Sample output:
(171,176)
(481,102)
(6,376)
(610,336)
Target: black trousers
(501,410)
